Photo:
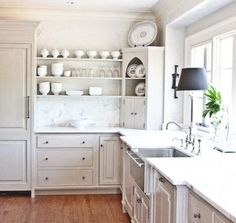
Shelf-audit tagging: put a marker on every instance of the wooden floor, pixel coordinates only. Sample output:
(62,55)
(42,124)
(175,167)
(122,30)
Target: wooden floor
(62,209)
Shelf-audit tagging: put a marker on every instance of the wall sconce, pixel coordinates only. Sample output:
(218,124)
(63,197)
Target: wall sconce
(174,81)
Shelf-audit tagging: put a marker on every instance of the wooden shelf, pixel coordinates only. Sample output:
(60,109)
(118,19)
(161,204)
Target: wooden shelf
(78,59)
(135,78)
(80,78)
(78,96)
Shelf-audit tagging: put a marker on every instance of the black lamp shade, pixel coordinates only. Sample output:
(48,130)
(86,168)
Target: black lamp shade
(192,79)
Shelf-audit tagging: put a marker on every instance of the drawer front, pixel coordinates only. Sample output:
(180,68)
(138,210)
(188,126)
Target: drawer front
(65,158)
(63,141)
(65,177)
(199,211)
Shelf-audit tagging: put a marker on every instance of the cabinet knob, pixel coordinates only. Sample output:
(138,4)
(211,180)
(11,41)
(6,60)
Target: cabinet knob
(46,158)
(162,179)
(139,200)
(83,142)
(46,142)
(46,178)
(135,113)
(131,113)
(197,215)
(101,145)
(83,177)
(83,158)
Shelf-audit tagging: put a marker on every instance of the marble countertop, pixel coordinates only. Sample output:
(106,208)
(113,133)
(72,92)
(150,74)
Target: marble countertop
(211,175)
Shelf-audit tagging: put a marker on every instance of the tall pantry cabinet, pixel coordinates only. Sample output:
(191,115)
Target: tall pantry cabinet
(17,45)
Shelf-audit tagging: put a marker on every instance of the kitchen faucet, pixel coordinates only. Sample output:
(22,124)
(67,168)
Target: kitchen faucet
(175,123)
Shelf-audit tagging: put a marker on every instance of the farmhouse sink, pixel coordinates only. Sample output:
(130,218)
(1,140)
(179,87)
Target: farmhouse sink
(162,152)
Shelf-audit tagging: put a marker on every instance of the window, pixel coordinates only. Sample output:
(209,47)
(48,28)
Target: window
(201,56)
(218,57)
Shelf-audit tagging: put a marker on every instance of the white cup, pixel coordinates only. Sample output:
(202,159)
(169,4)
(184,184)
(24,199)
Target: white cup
(42,70)
(67,73)
(44,52)
(55,53)
(56,88)
(44,88)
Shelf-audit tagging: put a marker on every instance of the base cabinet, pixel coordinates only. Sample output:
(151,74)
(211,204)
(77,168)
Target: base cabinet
(201,212)
(141,207)
(163,200)
(110,152)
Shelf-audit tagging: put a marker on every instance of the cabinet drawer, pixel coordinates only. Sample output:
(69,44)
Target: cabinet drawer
(65,158)
(62,141)
(199,211)
(65,177)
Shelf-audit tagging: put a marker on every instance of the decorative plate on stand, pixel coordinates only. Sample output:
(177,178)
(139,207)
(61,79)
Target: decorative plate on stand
(140,89)
(140,71)
(142,34)
(131,70)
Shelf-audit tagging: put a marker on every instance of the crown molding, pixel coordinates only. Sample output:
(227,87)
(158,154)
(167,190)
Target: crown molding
(71,14)
(19,25)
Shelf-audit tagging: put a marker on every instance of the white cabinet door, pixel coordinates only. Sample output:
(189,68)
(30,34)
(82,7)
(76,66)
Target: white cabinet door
(141,206)
(219,219)
(164,201)
(128,113)
(15,73)
(139,113)
(134,113)
(109,160)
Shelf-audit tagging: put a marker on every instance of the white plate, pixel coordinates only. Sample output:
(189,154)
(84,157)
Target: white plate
(142,33)
(140,71)
(140,89)
(131,70)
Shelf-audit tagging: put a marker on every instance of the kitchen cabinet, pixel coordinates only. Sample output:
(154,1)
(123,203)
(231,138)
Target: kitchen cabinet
(17,41)
(110,153)
(65,161)
(143,111)
(200,211)
(141,206)
(163,200)
(134,114)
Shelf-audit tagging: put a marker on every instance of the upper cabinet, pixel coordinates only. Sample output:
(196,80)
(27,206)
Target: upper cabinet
(143,71)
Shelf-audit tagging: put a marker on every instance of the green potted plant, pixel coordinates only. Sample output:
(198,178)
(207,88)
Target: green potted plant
(215,110)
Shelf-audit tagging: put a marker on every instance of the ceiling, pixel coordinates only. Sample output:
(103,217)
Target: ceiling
(106,5)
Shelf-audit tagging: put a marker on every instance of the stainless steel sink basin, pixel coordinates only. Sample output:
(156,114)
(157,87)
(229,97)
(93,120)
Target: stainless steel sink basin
(162,152)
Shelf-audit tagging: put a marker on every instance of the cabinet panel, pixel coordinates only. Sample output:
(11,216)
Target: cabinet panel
(220,219)
(140,113)
(199,212)
(13,164)
(65,177)
(137,206)
(128,113)
(109,160)
(65,158)
(57,141)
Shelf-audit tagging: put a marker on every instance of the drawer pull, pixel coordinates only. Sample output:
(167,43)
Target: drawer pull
(46,178)
(83,158)
(197,215)
(83,142)
(139,200)
(46,158)
(46,142)
(83,177)
(162,179)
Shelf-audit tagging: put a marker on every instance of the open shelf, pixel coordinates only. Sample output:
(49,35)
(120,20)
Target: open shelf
(135,78)
(78,96)
(78,59)
(79,78)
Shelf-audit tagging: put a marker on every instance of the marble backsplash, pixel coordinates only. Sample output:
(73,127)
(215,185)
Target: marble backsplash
(99,112)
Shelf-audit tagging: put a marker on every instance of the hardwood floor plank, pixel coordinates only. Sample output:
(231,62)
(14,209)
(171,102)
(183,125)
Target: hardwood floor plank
(62,209)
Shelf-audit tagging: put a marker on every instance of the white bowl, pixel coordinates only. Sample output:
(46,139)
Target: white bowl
(65,53)
(57,69)
(92,53)
(67,73)
(115,54)
(95,91)
(56,88)
(104,54)
(79,53)
(44,52)
(55,53)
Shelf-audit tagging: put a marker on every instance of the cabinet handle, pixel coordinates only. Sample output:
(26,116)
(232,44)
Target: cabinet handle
(83,158)
(162,179)
(83,142)
(131,113)
(83,177)
(139,200)
(46,178)
(46,158)
(101,145)
(28,107)
(135,113)
(197,215)
(46,142)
